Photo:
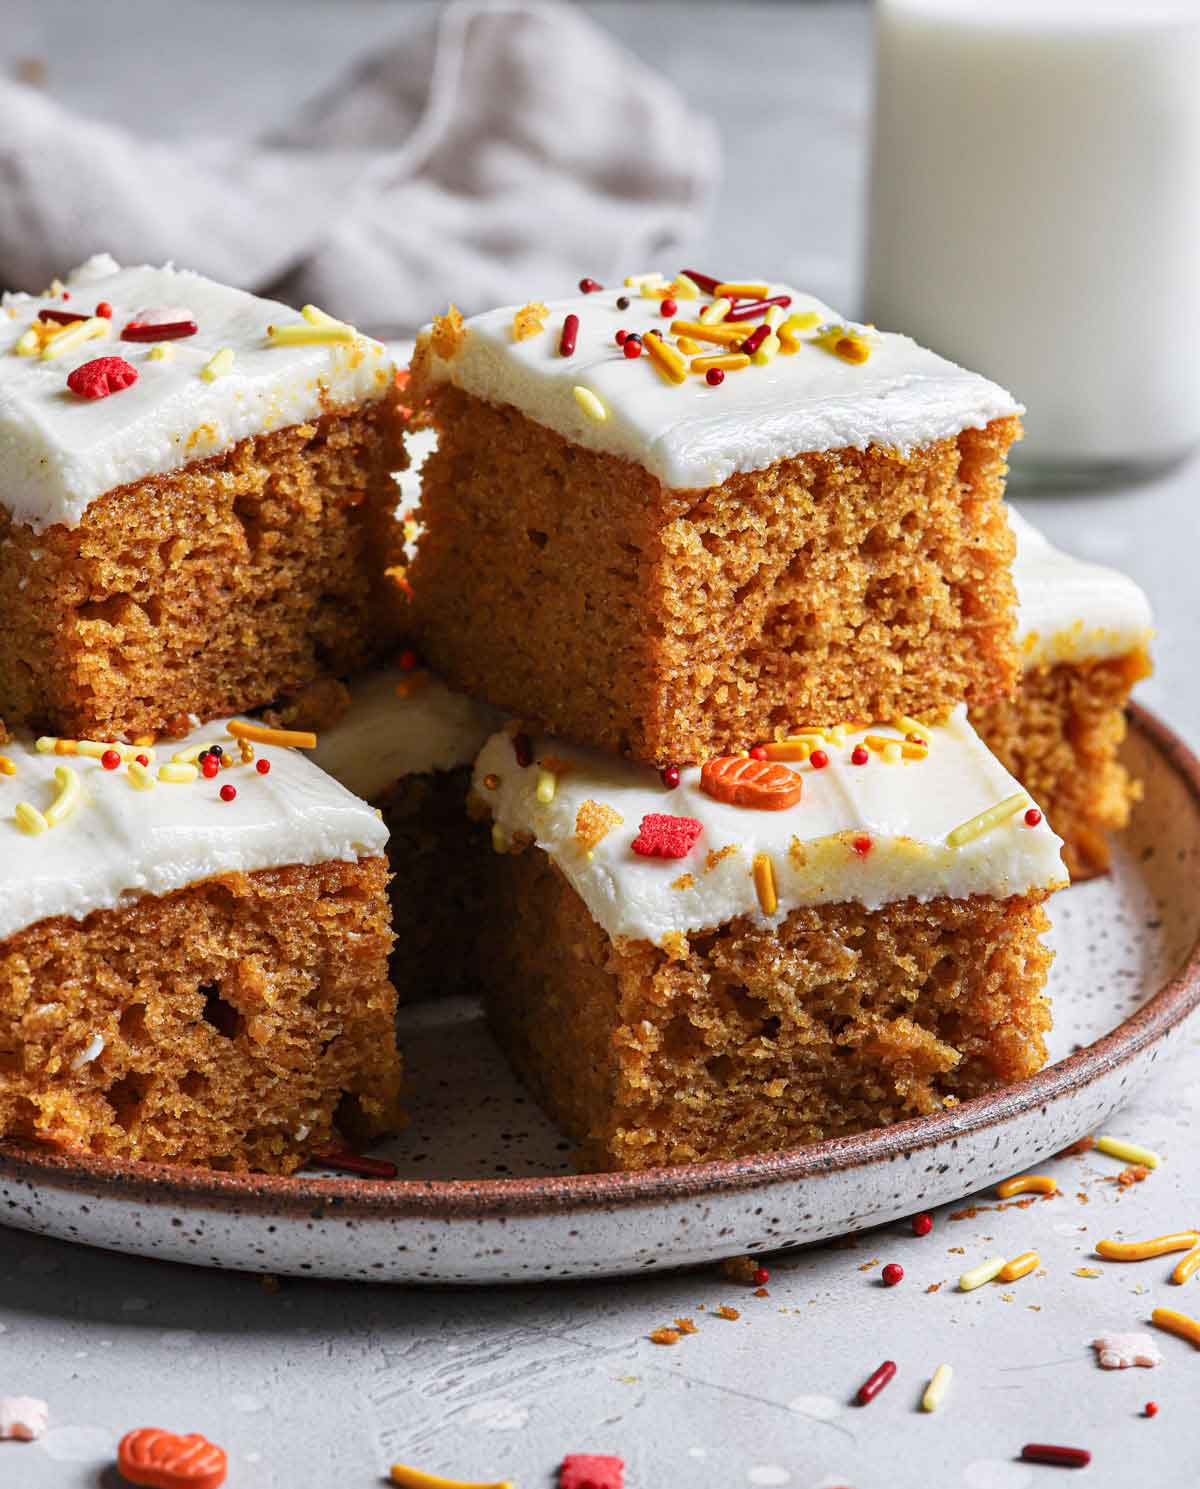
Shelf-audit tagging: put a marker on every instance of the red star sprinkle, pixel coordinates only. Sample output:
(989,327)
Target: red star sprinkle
(591,1471)
(663,836)
(103,376)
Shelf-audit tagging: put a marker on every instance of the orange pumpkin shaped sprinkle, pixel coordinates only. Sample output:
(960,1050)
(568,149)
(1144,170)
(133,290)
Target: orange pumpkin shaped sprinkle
(158,1459)
(741,781)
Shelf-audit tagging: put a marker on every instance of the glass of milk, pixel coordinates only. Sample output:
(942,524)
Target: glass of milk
(1035,214)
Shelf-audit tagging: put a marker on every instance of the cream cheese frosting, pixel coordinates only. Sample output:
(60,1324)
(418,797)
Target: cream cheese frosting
(120,842)
(383,737)
(901,815)
(60,451)
(690,435)
(1069,610)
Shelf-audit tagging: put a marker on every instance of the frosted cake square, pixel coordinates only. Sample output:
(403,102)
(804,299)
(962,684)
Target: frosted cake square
(196,500)
(830,934)
(761,518)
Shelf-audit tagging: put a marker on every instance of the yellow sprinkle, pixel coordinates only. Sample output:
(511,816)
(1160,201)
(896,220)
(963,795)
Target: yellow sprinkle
(499,841)
(685,288)
(139,777)
(1019,1267)
(668,362)
(636,281)
(589,403)
(843,342)
(304,334)
(789,749)
(717,311)
(836,735)
(1140,1251)
(296,739)
(907,725)
(1177,1323)
(73,336)
(218,364)
(1117,1147)
(935,1391)
(726,361)
(192,753)
(315,316)
(414,1478)
(177,774)
(790,329)
(688,347)
(28,344)
(547,785)
(902,747)
(68,798)
(1185,1267)
(774,316)
(976,1276)
(7,767)
(29,819)
(1027,1184)
(743,289)
(892,752)
(698,331)
(976,826)
(766,351)
(764,883)
(161,351)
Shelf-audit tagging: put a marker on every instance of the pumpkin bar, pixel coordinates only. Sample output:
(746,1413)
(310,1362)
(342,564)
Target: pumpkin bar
(670,520)
(195,505)
(832,933)
(193,954)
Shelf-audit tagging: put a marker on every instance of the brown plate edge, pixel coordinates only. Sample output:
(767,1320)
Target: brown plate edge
(313,1196)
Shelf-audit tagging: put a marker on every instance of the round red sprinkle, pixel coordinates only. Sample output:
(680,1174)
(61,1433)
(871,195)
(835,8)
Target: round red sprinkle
(669,775)
(408,660)
(758,752)
(104,310)
(1032,817)
(922,1224)
(620,337)
(1151,1408)
(862,845)
(632,346)
(590,286)
(110,759)
(761,1277)
(263,767)
(892,1274)
(714,377)
(142,759)
(818,759)
(859,755)
(228,793)
(209,767)
(668,307)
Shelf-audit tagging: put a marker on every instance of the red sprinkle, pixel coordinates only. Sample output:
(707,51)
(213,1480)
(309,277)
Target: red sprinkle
(1032,817)
(104,310)
(263,767)
(591,1471)
(818,759)
(922,1224)
(892,1274)
(859,755)
(1044,1452)
(142,759)
(621,336)
(669,775)
(210,766)
(1150,1409)
(749,310)
(408,661)
(101,377)
(758,752)
(523,749)
(228,792)
(761,1277)
(714,377)
(755,339)
(356,1163)
(862,845)
(873,1384)
(703,282)
(589,286)
(171,331)
(632,346)
(60,317)
(663,836)
(570,334)
(110,759)
(668,308)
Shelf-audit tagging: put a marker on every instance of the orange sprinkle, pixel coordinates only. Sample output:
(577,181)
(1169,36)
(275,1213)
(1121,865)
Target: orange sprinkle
(764,883)
(725,361)
(297,739)
(1186,1266)
(7,767)
(667,359)
(1177,1323)
(1140,1251)
(742,289)
(720,335)
(1027,1184)
(1020,1266)
(907,747)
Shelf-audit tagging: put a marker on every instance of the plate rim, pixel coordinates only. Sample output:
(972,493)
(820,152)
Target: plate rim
(314,1196)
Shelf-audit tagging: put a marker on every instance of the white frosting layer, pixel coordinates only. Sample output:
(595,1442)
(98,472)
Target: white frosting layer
(692,436)
(59,451)
(383,737)
(907,809)
(1069,610)
(120,841)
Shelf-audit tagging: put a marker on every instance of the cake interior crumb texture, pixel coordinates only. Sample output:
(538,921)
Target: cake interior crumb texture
(208,591)
(1060,737)
(246,1021)
(568,586)
(753,1040)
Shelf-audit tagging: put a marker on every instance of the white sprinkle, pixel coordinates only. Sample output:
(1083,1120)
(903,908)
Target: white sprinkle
(86,1056)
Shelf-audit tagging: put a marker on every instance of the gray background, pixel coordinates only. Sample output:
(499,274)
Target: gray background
(324,1385)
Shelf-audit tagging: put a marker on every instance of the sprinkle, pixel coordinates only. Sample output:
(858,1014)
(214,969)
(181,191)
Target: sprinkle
(843,342)
(1043,1452)
(177,774)
(665,836)
(642,281)
(1177,1323)
(104,309)
(742,289)
(935,1391)
(976,1276)
(632,346)
(92,1051)
(892,1274)
(1121,1351)
(622,302)
(1140,1251)
(669,776)
(976,826)
(818,759)
(28,344)
(664,1336)
(68,797)
(263,767)
(764,883)
(722,362)
(667,360)
(316,328)
(22,1418)
(569,336)
(713,314)
(102,377)
(755,340)
(907,748)
(589,286)
(356,1163)
(588,401)
(29,819)
(160,353)
(210,766)
(296,739)
(718,335)
(159,331)
(547,785)
(922,1224)
(62,317)
(766,351)
(191,754)
(1032,817)
(75,336)
(139,776)
(597,1471)
(750,310)
(1027,1184)
(1117,1147)
(875,1383)
(789,330)
(859,755)
(705,282)
(413,1478)
(1150,1409)
(861,844)
(530,320)
(47,744)
(761,1277)
(1019,1267)
(111,759)
(787,749)
(892,753)
(228,793)
(668,308)
(688,347)
(7,767)
(218,364)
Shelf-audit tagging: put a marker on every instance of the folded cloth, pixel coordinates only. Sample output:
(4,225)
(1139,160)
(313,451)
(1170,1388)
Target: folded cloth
(498,153)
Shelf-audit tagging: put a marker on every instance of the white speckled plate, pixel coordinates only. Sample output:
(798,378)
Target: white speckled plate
(485,1195)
